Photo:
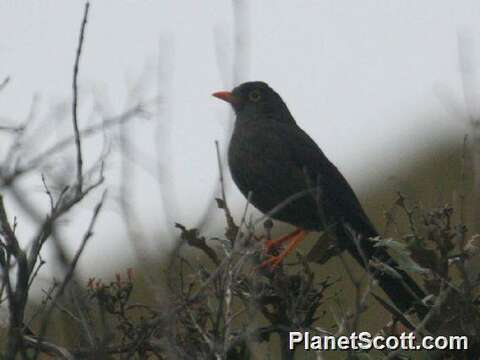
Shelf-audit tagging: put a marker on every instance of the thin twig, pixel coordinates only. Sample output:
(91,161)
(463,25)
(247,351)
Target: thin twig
(17,298)
(4,83)
(88,234)
(73,265)
(421,328)
(230,222)
(283,204)
(47,347)
(76,67)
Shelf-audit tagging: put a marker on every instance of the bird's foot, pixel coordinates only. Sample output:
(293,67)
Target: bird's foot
(275,243)
(295,238)
(272,262)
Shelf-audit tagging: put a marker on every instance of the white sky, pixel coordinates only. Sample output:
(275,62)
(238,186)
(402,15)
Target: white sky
(361,77)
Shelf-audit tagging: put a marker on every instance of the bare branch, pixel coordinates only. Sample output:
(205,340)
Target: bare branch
(47,347)
(232,235)
(4,83)
(75,99)
(73,265)
(16,299)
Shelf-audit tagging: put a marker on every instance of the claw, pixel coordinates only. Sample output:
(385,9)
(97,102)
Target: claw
(295,238)
(275,243)
(271,262)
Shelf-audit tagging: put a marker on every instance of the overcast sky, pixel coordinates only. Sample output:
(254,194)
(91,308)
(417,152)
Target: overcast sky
(371,81)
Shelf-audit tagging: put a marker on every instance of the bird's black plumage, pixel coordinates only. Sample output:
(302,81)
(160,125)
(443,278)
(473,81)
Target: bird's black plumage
(273,158)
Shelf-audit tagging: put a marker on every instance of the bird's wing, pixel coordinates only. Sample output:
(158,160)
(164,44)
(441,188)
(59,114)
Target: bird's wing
(337,197)
(339,200)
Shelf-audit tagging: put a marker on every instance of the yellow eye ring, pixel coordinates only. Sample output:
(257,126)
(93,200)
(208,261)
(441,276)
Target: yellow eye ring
(254,95)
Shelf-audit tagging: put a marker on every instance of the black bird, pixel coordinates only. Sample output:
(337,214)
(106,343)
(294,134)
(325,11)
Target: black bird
(291,179)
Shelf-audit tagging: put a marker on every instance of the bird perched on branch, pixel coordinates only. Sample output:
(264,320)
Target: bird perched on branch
(289,178)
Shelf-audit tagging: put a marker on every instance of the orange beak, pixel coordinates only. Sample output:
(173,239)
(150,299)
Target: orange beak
(226,96)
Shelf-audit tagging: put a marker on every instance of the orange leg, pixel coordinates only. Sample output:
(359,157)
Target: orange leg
(296,237)
(271,244)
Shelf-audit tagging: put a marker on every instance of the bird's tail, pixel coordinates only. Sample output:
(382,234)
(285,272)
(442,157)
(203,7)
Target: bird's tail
(405,292)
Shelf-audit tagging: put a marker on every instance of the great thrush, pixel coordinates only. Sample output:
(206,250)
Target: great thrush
(289,177)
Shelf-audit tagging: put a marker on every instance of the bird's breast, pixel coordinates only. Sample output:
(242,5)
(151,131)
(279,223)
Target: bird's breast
(261,164)
(255,158)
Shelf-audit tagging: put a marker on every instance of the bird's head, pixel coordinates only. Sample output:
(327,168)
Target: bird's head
(256,100)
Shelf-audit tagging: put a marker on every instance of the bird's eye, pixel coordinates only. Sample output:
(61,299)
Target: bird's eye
(254,95)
